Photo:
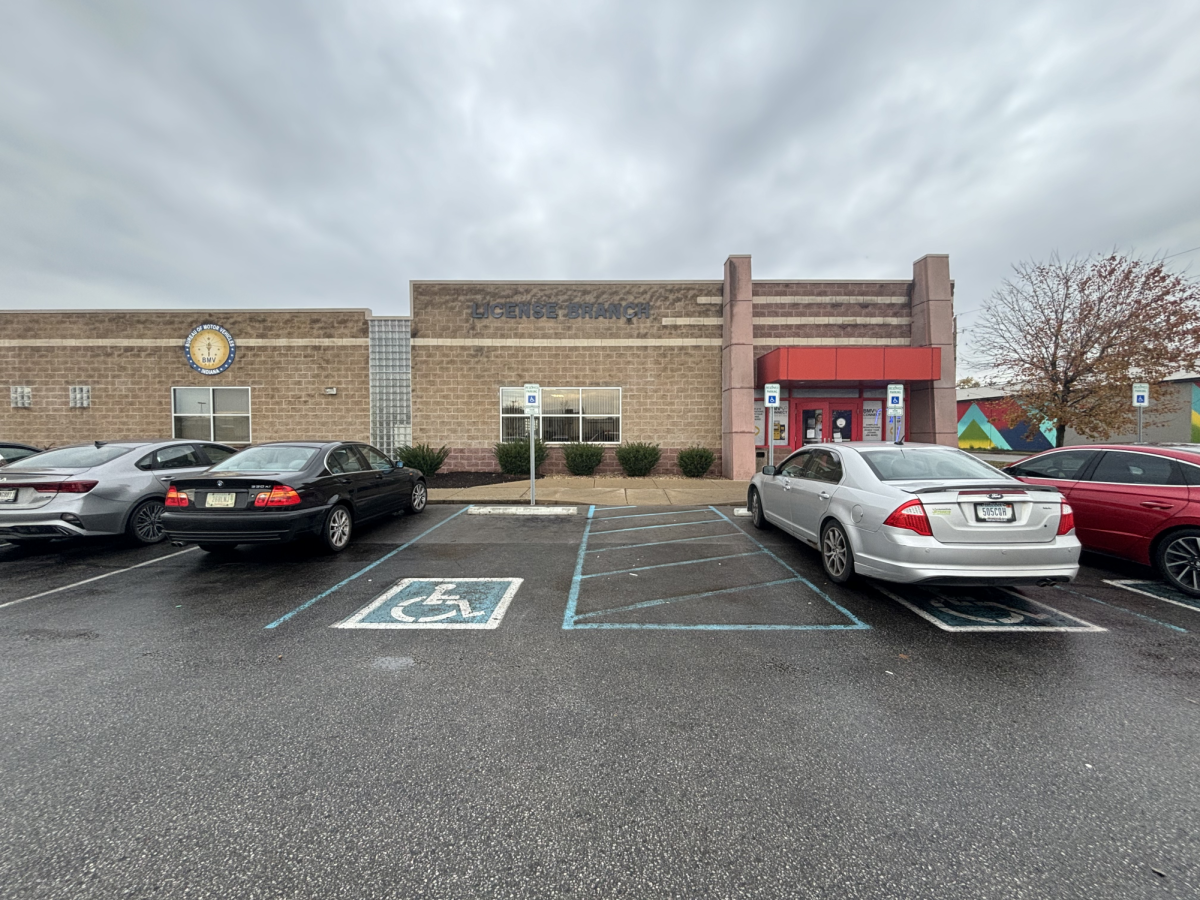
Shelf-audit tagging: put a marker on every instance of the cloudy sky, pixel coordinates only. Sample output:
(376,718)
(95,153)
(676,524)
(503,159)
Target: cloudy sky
(262,154)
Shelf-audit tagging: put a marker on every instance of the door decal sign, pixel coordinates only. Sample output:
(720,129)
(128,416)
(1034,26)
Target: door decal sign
(438,603)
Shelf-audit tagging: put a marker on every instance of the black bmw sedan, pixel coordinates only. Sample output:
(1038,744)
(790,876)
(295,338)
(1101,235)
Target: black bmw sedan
(277,492)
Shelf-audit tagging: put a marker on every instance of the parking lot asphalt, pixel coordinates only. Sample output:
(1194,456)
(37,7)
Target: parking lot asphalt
(626,702)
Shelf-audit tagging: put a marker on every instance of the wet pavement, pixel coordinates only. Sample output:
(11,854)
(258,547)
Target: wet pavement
(628,702)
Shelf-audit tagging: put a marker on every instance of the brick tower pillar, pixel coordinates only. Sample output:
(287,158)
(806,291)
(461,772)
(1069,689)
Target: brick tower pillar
(737,371)
(934,410)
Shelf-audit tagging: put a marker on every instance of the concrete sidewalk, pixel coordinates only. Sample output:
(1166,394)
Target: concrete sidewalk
(605,491)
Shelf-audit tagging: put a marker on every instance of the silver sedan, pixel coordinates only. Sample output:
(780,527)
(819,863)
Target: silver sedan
(97,489)
(917,513)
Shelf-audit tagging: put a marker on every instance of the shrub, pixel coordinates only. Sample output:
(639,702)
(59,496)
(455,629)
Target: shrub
(423,457)
(694,462)
(637,459)
(513,456)
(581,458)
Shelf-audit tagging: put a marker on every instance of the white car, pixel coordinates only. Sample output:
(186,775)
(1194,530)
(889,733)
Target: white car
(917,513)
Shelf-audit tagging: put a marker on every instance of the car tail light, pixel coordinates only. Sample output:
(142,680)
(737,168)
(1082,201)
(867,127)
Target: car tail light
(1066,520)
(911,516)
(280,495)
(65,487)
(175,497)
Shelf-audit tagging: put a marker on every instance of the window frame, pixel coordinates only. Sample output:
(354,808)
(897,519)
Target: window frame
(620,416)
(248,415)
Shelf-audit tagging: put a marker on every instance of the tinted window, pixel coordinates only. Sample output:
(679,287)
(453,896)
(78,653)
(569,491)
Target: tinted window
(1065,464)
(824,466)
(376,459)
(1119,467)
(10,454)
(344,460)
(1191,474)
(270,458)
(793,466)
(72,457)
(924,463)
(181,456)
(216,453)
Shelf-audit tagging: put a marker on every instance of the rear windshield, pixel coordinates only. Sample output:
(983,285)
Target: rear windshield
(267,459)
(918,463)
(71,457)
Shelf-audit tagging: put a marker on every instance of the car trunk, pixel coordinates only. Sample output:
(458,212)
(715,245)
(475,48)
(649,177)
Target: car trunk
(32,490)
(990,513)
(227,493)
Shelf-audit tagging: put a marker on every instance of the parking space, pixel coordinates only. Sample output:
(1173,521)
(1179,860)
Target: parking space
(638,702)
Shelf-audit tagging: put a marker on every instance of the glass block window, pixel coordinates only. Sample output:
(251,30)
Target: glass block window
(21,397)
(81,396)
(212,414)
(391,384)
(568,415)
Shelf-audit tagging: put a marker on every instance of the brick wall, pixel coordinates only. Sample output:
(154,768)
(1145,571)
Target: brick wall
(832,313)
(671,388)
(131,360)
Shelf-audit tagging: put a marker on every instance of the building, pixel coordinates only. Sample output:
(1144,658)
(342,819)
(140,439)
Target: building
(674,363)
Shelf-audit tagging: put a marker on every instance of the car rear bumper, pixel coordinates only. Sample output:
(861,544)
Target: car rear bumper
(241,527)
(39,526)
(923,560)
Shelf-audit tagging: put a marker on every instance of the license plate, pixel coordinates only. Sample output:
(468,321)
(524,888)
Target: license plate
(9,496)
(222,501)
(994,512)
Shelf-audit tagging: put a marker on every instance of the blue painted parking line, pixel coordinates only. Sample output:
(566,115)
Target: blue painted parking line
(1122,609)
(1158,591)
(982,609)
(674,512)
(363,571)
(573,619)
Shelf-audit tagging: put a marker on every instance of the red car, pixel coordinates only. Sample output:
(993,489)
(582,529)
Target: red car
(1133,501)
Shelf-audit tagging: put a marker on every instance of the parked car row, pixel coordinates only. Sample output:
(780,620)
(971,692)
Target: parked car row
(205,492)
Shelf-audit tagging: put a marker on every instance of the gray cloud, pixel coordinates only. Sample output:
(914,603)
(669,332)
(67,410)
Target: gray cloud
(290,154)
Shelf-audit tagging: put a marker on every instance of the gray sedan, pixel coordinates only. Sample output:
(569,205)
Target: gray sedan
(97,489)
(917,513)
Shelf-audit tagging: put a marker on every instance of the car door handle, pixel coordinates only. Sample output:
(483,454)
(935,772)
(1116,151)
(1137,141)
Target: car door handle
(823,495)
(379,476)
(344,480)
(1150,504)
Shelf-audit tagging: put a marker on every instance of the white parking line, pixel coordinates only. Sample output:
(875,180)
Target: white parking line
(65,587)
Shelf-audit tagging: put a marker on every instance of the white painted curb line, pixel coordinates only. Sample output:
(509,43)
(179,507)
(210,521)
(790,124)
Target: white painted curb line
(522,511)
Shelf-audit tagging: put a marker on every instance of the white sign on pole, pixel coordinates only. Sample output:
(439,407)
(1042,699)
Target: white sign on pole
(895,399)
(771,395)
(1141,395)
(533,399)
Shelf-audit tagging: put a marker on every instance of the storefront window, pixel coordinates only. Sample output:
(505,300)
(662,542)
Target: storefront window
(568,415)
(212,414)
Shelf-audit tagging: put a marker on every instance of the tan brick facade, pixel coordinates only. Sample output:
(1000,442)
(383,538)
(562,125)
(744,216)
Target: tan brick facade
(131,360)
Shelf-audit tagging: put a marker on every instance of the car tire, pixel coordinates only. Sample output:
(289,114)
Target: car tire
(336,530)
(755,508)
(419,498)
(1177,559)
(218,549)
(837,559)
(145,523)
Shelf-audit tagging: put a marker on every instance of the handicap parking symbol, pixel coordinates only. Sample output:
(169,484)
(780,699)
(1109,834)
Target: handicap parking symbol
(438,603)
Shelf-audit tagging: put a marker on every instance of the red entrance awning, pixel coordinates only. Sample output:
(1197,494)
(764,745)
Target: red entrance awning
(850,364)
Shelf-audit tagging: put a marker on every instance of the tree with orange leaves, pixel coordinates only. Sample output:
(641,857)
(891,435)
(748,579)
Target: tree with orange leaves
(1069,337)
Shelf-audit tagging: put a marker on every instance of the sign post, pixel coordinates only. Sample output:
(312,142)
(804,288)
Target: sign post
(895,408)
(533,408)
(770,401)
(1141,399)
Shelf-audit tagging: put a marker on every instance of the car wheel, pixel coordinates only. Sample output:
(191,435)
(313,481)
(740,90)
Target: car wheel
(145,523)
(419,499)
(1178,560)
(836,556)
(754,502)
(335,534)
(219,549)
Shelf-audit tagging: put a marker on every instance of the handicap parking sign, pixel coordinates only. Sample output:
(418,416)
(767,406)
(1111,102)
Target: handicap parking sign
(438,603)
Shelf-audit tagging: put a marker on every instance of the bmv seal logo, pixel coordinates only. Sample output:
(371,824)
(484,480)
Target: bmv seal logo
(438,603)
(209,349)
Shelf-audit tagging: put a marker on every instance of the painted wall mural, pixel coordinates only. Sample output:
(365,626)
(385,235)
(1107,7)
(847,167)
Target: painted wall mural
(1000,424)
(1195,413)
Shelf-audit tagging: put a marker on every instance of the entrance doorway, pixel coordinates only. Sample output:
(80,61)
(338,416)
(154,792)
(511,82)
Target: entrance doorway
(831,420)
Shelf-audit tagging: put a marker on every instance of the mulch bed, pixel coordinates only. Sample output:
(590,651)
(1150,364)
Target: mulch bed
(470,479)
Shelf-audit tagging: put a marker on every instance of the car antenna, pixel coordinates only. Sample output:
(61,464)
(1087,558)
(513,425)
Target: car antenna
(100,444)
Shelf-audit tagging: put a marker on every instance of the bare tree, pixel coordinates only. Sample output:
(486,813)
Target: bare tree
(1069,337)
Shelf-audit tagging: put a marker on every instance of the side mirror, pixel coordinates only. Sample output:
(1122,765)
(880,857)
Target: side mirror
(399,464)
(769,470)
